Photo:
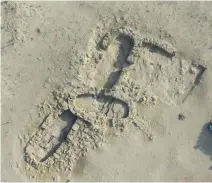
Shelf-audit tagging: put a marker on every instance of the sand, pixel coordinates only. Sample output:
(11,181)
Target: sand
(106,91)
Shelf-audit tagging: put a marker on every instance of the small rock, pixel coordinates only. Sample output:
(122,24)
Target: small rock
(130,59)
(105,42)
(38,31)
(181,116)
(210,127)
(56,179)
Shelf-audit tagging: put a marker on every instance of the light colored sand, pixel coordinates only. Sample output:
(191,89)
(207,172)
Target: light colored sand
(61,47)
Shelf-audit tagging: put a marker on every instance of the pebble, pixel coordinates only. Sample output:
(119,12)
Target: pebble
(130,59)
(56,179)
(181,116)
(210,127)
(105,42)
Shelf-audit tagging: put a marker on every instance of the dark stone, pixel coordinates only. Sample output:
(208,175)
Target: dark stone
(181,116)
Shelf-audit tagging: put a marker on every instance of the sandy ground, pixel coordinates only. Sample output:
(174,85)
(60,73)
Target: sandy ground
(124,70)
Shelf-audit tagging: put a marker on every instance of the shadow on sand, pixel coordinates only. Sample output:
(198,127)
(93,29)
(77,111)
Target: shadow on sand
(204,142)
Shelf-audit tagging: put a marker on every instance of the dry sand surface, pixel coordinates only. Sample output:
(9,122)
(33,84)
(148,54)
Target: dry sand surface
(106,91)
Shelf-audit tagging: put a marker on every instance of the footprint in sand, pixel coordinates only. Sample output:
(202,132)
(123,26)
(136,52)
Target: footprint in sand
(123,70)
(115,57)
(51,136)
